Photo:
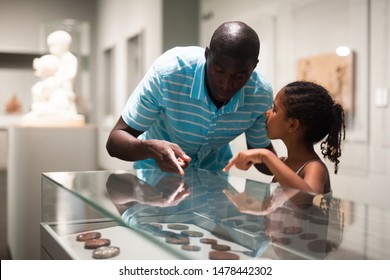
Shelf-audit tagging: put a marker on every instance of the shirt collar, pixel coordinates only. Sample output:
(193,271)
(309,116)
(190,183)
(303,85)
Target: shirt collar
(236,102)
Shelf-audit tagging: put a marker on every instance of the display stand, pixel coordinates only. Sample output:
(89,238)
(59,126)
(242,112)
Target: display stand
(32,151)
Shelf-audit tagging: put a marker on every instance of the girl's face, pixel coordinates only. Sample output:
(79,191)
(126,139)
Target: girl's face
(277,121)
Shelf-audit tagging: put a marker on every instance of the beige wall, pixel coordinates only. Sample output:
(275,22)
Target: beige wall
(119,20)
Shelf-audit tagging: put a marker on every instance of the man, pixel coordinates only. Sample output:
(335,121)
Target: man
(193,102)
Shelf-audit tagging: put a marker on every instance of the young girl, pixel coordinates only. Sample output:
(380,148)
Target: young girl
(303,114)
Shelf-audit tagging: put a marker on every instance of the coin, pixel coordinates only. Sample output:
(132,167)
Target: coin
(178,226)
(318,221)
(292,230)
(178,240)
(282,240)
(320,246)
(220,247)
(105,252)
(192,233)
(218,255)
(165,233)
(150,227)
(308,236)
(208,241)
(190,248)
(88,236)
(96,243)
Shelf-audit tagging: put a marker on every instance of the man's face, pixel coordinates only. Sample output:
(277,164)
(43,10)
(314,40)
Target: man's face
(226,75)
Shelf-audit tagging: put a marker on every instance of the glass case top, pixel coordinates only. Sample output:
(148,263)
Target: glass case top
(264,220)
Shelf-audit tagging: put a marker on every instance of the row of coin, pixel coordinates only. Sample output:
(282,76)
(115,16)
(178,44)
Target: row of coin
(102,248)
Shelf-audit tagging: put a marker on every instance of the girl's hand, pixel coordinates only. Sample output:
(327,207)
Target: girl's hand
(245,159)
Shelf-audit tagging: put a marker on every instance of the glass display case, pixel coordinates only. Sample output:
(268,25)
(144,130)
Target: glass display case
(149,214)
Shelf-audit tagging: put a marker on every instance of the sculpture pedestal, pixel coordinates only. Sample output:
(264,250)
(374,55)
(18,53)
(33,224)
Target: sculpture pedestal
(33,151)
(67,120)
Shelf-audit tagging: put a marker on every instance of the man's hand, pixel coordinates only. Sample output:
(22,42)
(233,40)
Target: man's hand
(123,143)
(168,156)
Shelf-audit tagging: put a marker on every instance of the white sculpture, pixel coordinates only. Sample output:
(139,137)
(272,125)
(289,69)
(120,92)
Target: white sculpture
(53,97)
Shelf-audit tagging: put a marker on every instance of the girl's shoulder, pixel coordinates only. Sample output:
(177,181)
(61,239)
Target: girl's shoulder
(319,170)
(314,163)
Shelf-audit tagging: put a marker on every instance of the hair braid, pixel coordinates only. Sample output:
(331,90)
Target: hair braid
(331,147)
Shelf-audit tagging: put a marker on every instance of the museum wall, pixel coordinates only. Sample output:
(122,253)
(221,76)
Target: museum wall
(124,28)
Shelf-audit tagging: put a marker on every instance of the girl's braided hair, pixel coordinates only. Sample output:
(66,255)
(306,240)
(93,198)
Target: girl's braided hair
(319,115)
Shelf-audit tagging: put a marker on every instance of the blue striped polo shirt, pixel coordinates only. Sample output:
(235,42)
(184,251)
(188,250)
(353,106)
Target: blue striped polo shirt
(171,103)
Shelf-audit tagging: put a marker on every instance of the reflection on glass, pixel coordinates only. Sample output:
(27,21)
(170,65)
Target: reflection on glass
(127,190)
(296,224)
(197,199)
(299,224)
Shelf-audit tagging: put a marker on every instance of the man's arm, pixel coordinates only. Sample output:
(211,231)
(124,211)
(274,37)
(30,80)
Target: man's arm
(123,143)
(261,166)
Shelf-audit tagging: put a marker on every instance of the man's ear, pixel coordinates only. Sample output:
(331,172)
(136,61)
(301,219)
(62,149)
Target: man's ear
(206,52)
(293,124)
(257,62)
